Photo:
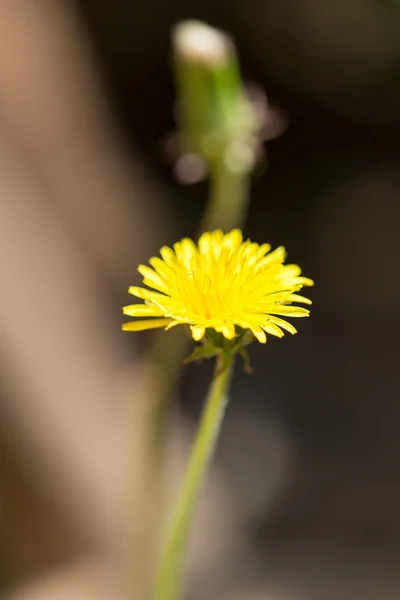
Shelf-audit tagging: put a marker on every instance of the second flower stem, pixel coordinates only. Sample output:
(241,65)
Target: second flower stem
(227,205)
(169,575)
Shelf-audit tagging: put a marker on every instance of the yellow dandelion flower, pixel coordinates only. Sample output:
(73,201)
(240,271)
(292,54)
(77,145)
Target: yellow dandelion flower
(223,284)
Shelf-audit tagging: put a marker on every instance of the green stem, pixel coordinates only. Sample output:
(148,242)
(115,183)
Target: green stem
(227,205)
(168,580)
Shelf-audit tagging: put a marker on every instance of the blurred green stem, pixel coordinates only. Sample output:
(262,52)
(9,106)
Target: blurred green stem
(228,199)
(168,579)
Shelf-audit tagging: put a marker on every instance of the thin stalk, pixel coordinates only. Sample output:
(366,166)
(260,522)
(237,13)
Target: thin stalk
(169,575)
(228,201)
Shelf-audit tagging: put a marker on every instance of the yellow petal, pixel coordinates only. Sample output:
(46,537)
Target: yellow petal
(144,294)
(173,324)
(273,329)
(228,330)
(186,252)
(284,324)
(263,249)
(251,320)
(189,252)
(294,281)
(277,255)
(142,310)
(152,279)
(168,255)
(290,271)
(297,298)
(197,332)
(290,311)
(160,267)
(148,324)
(259,334)
(205,242)
(307,281)
(151,284)
(233,239)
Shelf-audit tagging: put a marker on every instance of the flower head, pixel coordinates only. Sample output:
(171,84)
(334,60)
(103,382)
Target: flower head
(223,284)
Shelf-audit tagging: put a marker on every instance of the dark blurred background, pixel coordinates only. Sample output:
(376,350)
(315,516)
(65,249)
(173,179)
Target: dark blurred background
(305,495)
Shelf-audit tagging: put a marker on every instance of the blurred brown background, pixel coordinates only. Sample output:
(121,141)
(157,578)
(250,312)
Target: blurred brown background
(303,499)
